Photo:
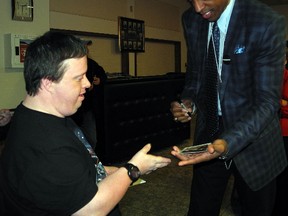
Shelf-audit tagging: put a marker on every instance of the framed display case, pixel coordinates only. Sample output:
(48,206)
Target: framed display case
(22,10)
(131,35)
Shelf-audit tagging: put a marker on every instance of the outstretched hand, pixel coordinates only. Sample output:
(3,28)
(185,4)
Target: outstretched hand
(148,162)
(214,150)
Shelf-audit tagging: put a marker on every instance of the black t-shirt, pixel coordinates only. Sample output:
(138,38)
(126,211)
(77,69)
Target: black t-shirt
(46,169)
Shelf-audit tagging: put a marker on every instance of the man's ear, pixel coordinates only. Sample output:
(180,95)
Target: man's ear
(46,84)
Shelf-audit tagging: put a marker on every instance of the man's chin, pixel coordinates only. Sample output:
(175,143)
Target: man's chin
(77,107)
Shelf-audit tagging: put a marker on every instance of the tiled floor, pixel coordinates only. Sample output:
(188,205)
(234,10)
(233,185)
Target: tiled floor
(166,192)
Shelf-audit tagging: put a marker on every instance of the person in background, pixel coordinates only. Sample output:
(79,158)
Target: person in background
(5,118)
(48,167)
(91,109)
(282,180)
(246,41)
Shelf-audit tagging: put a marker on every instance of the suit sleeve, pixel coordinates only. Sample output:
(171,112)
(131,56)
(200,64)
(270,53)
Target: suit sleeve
(191,77)
(258,116)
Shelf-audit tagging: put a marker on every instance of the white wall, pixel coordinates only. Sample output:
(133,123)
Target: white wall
(12,89)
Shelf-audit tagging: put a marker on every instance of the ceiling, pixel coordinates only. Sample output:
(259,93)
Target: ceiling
(275,2)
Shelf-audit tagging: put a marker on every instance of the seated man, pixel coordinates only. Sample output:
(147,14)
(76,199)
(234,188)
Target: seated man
(47,166)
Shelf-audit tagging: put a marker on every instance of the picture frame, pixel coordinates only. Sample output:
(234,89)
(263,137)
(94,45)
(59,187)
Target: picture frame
(131,35)
(22,10)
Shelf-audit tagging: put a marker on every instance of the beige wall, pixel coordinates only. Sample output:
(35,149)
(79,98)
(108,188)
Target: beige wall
(162,21)
(12,89)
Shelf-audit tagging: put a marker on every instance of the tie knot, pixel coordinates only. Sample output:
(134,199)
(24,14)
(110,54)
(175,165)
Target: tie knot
(215,28)
(215,25)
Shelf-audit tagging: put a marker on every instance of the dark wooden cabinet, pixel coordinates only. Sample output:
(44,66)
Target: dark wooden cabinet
(136,111)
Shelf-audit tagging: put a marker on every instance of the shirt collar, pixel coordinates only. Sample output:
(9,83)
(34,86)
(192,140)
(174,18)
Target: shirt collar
(224,19)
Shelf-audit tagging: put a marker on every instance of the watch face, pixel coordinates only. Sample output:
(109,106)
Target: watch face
(22,10)
(133,172)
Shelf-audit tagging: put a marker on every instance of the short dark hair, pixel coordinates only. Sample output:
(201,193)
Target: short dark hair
(45,55)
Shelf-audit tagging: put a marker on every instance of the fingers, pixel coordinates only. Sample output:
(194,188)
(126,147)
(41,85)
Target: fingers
(175,108)
(181,157)
(220,146)
(148,162)
(146,148)
(175,104)
(179,114)
(190,159)
(159,162)
(175,148)
(195,158)
(162,161)
(185,163)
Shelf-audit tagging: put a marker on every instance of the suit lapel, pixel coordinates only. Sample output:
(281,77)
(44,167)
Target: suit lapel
(203,38)
(201,28)
(235,37)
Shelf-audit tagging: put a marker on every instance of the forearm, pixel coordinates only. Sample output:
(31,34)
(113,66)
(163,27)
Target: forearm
(110,191)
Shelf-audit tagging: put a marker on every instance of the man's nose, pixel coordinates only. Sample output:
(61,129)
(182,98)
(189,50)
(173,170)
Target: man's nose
(87,83)
(198,5)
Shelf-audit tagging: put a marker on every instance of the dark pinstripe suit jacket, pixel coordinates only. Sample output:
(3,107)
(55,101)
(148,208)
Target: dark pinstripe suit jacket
(250,88)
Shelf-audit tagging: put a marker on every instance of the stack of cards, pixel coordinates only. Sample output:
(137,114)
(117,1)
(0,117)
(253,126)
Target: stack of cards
(195,149)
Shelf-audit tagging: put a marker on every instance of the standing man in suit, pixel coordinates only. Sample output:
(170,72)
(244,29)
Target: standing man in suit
(247,142)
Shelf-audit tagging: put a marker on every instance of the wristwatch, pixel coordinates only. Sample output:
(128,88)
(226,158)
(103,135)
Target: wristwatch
(133,172)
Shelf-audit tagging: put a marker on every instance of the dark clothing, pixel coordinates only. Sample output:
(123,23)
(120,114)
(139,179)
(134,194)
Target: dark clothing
(212,191)
(93,97)
(282,179)
(282,188)
(92,107)
(4,131)
(249,94)
(46,169)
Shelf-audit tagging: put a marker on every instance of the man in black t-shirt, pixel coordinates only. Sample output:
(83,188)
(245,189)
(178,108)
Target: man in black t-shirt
(48,167)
